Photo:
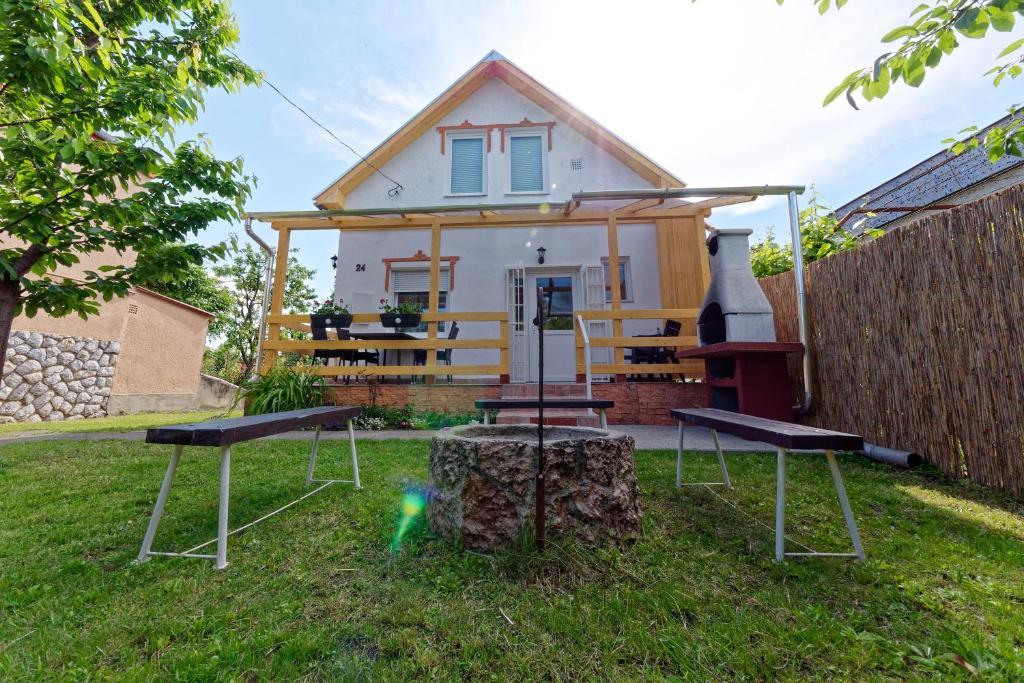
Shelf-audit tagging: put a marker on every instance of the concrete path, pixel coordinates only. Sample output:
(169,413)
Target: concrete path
(648,437)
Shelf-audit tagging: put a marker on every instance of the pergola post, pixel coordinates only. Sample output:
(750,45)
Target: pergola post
(616,286)
(277,296)
(434,300)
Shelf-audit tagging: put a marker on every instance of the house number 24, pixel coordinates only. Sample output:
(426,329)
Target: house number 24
(360,267)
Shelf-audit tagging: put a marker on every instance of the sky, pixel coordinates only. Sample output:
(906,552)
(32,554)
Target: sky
(720,92)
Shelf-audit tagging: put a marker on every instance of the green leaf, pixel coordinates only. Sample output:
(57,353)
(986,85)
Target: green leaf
(900,32)
(973,23)
(1001,19)
(934,57)
(1012,47)
(947,41)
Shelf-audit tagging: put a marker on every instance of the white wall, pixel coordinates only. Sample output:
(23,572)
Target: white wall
(423,170)
(484,255)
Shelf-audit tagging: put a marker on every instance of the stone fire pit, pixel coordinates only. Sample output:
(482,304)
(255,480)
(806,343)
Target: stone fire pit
(482,484)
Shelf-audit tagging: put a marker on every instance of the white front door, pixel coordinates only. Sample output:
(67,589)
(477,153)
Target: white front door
(560,302)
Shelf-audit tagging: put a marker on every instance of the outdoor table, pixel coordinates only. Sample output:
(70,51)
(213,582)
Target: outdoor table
(386,336)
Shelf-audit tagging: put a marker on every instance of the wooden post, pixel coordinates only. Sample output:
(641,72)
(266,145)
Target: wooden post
(504,357)
(616,286)
(434,300)
(277,296)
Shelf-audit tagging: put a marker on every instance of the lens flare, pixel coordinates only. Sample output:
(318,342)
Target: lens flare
(545,208)
(413,503)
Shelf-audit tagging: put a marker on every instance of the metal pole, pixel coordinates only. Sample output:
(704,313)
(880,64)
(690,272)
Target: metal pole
(270,253)
(158,509)
(801,298)
(539,494)
(780,505)
(222,510)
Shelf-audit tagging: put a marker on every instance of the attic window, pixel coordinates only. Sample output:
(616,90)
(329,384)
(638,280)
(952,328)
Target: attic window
(576,164)
(467,167)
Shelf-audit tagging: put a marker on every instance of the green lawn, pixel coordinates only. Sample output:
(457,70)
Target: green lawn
(117,423)
(315,592)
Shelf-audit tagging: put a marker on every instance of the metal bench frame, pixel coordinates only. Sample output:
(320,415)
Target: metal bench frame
(221,556)
(780,493)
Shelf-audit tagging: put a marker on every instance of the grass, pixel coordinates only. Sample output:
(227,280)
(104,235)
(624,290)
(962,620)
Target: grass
(315,593)
(115,423)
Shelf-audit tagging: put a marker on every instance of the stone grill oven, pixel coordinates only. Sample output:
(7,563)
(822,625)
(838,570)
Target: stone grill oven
(745,368)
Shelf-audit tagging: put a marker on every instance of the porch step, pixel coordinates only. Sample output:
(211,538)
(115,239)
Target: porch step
(564,417)
(551,390)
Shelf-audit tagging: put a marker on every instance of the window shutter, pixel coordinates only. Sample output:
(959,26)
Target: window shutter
(527,163)
(417,280)
(467,165)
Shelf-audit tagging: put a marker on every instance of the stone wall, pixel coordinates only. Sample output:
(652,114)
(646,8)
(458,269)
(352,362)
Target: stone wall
(54,377)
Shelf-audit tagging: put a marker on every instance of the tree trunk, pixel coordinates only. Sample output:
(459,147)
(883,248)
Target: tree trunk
(9,293)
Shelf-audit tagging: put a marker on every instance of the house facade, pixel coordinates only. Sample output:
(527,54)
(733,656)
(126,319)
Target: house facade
(495,141)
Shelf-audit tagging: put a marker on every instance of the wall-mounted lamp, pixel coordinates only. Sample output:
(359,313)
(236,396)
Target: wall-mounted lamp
(540,254)
(334,262)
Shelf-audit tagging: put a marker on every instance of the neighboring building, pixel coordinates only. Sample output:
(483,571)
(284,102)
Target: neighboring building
(141,352)
(942,179)
(494,138)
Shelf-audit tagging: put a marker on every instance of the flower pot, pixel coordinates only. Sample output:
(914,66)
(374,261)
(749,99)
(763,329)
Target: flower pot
(342,320)
(400,320)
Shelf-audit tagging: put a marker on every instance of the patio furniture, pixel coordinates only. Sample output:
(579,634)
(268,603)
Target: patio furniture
(419,356)
(600,405)
(386,336)
(320,331)
(784,436)
(224,434)
(656,354)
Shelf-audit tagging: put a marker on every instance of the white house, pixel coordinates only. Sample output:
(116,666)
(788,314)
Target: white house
(488,179)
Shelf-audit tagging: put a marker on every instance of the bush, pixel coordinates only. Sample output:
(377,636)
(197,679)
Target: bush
(283,389)
(378,417)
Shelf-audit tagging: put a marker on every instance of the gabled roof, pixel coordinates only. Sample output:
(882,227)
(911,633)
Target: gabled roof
(494,65)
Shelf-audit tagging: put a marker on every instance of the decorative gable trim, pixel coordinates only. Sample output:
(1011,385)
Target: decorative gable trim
(486,128)
(494,66)
(419,256)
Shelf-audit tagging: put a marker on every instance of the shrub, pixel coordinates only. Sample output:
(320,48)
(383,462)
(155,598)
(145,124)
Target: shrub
(283,389)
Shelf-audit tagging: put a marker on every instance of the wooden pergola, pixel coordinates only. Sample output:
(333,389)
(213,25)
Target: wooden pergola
(666,208)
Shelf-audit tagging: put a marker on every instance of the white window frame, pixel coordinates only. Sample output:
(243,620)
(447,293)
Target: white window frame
(542,133)
(627,279)
(476,134)
(444,276)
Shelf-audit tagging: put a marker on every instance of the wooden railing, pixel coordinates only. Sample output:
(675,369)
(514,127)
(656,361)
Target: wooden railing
(686,316)
(431,369)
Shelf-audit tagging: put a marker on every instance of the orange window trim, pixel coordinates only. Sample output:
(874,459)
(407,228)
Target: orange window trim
(419,256)
(500,127)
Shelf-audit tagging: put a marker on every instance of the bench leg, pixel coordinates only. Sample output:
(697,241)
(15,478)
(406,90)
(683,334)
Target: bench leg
(158,509)
(844,503)
(780,506)
(721,460)
(679,462)
(355,458)
(487,417)
(222,511)
(679,456)
(604,419)
(312,458)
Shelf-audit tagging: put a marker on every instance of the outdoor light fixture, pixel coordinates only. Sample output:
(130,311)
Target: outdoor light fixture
(540,254)
(334,262)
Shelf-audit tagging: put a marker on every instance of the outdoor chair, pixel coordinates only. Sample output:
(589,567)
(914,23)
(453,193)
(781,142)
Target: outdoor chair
(344,356)
(419,356)
(642,355)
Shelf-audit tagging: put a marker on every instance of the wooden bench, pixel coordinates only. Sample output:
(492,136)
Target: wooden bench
(224,434)
(600,405)
(784,436)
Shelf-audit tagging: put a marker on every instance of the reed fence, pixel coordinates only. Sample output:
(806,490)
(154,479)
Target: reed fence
(918,339)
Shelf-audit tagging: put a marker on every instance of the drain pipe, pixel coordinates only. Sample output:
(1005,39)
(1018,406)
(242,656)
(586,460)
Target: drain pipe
(801,305)
(267,284)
